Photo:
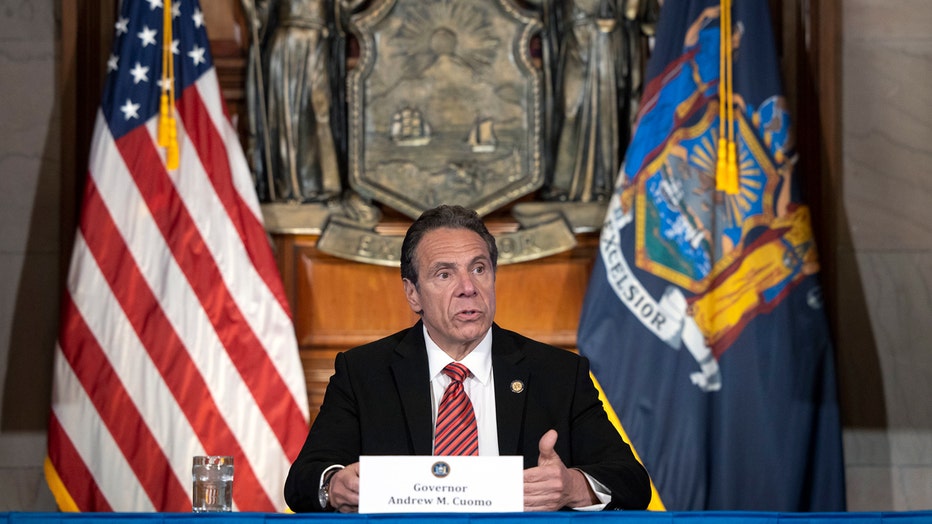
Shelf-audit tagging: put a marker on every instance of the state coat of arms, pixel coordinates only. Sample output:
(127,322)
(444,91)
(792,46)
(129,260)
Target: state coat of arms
(444,105)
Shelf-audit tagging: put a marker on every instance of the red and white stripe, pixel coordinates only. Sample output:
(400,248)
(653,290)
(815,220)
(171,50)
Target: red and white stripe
(176,337)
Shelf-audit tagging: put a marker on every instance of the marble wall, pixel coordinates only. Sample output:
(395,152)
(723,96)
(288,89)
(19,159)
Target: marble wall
(884,249)
(885,253)
(29,243)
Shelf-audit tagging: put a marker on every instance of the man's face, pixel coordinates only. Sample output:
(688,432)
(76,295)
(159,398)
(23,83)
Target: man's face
(456,288)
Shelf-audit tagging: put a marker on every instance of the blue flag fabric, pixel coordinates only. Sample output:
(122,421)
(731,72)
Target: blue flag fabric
(703,319)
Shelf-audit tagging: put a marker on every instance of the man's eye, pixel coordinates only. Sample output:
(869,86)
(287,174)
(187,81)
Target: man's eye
(443,275)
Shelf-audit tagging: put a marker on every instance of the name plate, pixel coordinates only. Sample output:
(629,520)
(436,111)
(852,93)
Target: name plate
(427,484)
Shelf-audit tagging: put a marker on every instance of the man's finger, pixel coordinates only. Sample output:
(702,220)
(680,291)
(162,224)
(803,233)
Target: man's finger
(546,446)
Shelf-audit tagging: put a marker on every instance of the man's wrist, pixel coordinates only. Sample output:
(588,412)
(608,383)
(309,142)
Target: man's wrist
(323,492)
(585,493)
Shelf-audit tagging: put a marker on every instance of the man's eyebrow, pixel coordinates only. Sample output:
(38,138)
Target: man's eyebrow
(481,258)
(446,264)
(436,266)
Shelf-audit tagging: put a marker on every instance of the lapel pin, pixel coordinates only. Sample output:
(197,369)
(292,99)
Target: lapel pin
(517,386)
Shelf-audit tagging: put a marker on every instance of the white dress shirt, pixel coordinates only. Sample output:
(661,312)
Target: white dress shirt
(478,387)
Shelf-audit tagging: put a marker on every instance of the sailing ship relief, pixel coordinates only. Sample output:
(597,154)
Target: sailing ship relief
(482,136)
(409,128)
(445,105)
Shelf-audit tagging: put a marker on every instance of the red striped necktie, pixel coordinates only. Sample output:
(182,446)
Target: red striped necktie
(457,433)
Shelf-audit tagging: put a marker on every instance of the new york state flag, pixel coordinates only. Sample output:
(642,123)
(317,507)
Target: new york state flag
(704,319)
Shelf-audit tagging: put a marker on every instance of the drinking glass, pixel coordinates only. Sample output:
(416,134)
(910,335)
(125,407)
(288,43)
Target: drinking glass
(213,483)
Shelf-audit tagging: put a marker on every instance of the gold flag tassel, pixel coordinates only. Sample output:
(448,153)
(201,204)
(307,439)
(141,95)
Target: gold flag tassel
(726,176)
(168,130)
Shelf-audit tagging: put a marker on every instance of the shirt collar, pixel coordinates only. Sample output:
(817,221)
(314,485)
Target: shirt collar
(479,360)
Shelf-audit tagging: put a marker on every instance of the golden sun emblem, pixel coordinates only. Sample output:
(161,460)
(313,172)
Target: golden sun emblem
(455,32)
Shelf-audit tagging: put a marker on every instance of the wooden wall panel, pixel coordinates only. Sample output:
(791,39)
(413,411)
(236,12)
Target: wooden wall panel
(341,303)
(542,299)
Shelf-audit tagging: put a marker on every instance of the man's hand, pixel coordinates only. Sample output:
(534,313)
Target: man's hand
(551,486)
(344,489)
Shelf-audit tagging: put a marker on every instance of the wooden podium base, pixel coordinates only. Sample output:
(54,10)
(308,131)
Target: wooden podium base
(338,304)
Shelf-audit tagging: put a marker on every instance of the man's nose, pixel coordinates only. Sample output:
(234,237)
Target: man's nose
(465,284)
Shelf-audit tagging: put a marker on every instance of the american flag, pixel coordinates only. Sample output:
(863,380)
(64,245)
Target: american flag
(176,338)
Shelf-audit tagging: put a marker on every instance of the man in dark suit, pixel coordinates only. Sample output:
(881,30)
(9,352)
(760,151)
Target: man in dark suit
(529,398)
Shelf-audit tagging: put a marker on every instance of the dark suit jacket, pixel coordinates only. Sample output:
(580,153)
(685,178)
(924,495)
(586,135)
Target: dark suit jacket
(378,403)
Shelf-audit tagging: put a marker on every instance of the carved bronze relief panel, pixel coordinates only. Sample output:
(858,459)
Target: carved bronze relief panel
(445,105)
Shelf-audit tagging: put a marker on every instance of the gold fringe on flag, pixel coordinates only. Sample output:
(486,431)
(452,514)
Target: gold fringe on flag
(726,176)
(168,130)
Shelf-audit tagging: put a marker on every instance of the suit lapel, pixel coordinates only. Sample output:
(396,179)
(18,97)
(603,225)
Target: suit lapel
(511,379)
(411,375)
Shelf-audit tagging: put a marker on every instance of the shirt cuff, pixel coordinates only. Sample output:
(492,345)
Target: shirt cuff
(601,492)
(323,475)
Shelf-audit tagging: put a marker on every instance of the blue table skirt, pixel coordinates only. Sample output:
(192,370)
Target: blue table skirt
(611,517)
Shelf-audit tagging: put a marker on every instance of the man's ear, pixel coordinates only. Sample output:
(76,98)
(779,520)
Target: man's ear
(414,298)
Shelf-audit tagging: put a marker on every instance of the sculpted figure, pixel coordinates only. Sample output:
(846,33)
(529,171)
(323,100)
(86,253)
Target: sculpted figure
(291,100)
(596,51)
